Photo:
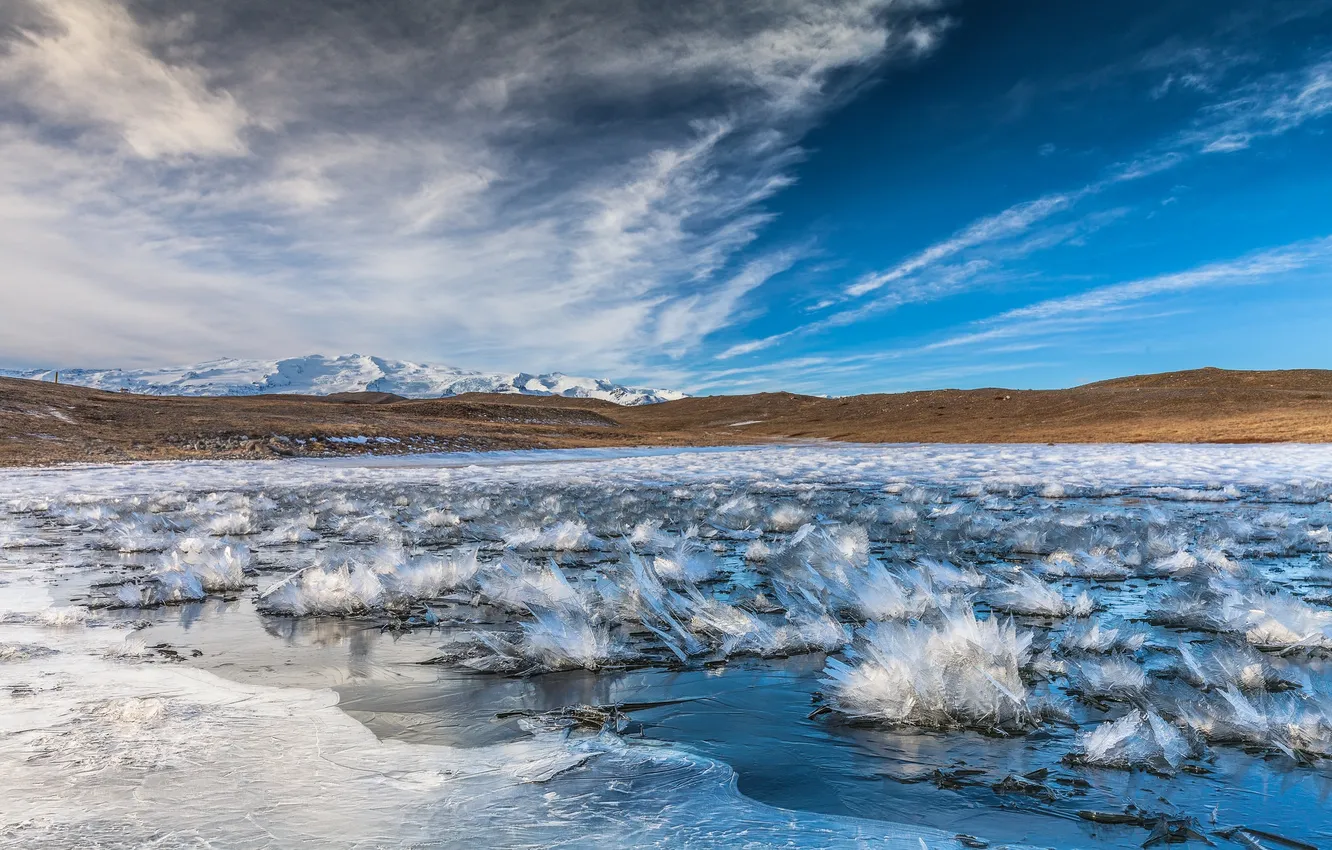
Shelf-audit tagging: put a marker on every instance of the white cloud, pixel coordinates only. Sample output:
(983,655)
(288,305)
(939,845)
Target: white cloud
(1051,323)
(1271,106)
(1258,268)
(689,319)
(752,346)
(928,275)
(89,65)
(1104,304)
(569,187)
(1012,221)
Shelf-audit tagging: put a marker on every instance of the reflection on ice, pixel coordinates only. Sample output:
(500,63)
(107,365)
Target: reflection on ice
(168,756)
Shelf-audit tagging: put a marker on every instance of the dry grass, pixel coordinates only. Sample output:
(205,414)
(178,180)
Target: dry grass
(43,423)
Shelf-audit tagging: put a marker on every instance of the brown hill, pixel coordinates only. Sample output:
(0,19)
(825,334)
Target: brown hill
(1211,378)
(44,423)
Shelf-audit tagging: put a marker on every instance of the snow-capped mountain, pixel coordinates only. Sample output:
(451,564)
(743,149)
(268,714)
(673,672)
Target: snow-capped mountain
(320,375)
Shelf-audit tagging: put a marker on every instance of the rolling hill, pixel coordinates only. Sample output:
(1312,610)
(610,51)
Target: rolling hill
(41,422)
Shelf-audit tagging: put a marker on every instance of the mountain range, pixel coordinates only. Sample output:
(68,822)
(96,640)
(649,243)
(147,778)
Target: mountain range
(317,374)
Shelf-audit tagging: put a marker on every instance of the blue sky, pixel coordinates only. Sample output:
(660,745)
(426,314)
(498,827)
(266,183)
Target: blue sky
(817,197)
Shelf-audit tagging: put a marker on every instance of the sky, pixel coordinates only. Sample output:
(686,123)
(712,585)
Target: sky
(820,197)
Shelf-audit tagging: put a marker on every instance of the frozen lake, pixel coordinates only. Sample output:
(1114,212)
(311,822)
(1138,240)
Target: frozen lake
(902,646)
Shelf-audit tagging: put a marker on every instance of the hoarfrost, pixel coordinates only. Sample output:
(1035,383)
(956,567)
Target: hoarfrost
(959,672)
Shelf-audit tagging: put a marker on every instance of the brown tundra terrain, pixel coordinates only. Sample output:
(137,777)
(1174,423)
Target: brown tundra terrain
(42,423)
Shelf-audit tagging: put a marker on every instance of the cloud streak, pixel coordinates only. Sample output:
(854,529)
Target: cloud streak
(1102,304)
(1269,107)
(1013,221)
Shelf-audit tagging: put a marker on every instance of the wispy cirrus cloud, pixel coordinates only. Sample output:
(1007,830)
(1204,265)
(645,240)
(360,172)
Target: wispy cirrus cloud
(1270,106)
(984,346)
(1101,304)
(1277,104)
(978,255)
(1013,221)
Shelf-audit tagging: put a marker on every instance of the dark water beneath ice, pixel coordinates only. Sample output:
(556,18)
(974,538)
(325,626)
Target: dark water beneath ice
(753,714)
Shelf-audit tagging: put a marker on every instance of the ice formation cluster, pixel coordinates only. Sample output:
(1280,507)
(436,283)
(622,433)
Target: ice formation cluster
(1177,596)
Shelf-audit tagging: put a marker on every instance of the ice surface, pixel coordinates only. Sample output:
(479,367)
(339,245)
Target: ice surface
(787,517)
(299,530)
(687,560)
(1008,470)
(114,752)
(1230,664)
(18,541)
(1097,564)
(1227,603)
(758,551)
(1280,620)
(902,564)
(566,536)
(1099,638)
(425,577)
(1116,677)
(136,535)
(516,585)
(570,637)
(238,522)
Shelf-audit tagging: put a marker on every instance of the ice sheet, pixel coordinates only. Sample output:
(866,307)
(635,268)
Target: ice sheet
(1304,470)
(589,560)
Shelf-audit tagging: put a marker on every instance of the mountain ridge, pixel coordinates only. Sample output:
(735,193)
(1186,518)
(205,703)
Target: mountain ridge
(321,375)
